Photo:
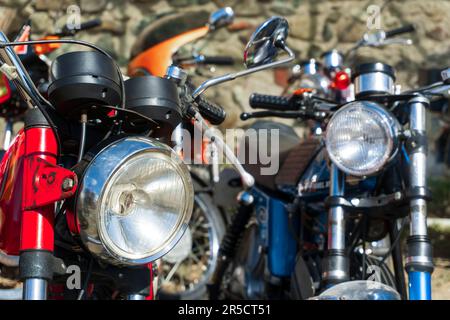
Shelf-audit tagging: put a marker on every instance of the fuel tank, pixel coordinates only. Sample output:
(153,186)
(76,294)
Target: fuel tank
(314,181)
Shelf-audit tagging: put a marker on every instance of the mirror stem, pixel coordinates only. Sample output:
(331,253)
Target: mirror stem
(231,76)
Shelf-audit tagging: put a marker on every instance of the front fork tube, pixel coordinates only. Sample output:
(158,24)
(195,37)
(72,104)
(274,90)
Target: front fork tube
(336,262)
(419,263)
(37,230)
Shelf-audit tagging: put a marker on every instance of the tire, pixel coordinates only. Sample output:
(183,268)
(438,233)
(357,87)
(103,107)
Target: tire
(174,289)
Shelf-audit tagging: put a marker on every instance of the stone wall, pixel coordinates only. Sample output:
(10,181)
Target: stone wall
(315,26)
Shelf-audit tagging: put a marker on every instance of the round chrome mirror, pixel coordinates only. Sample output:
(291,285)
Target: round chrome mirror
(264,43)
(221,18)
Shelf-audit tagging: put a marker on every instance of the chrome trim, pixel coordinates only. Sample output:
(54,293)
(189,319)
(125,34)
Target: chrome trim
(419,259)
(378,82)
(333,59)
(91,189)
(390,124)
(35,289)
(418,167)
(231,76)
(136,297)
(8,134)
(335,274)
(177,73)
(221,18)
(336,215)
(310,67)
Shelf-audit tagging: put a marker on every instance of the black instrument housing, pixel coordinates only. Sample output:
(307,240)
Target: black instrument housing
(81,80)
(156,98)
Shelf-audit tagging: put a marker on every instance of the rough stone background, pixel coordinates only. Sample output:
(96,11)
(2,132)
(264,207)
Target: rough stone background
(315,26)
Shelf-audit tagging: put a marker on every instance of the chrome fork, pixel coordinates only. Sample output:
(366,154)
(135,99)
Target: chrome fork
(35,289)
(336,264)
(419,262)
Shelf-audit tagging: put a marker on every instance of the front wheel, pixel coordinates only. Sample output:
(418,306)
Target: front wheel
(187,268)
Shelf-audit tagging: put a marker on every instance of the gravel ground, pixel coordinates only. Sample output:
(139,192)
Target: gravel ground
(441,280)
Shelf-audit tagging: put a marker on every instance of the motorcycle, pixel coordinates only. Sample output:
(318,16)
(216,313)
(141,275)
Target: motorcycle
(331,78)
(209,112)
(89,199)
(162,45)
(85,181)
(184,272)
(301,233)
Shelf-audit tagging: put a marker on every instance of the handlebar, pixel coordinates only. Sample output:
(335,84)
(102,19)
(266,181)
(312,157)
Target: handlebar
(90,24)
(405,29)
(217,60)
(83,26)
(294,107)
(263,101)
(278,114)
(211,111)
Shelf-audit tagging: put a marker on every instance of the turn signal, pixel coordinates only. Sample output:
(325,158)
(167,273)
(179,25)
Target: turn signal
(341,80)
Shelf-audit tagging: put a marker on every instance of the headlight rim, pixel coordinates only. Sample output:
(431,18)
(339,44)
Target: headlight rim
(94,239)
(389,122)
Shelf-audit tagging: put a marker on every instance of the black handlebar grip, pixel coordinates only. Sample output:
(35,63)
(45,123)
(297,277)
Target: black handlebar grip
(405,29)
(218,60)
(278,114)
(212,112)
(262,101)
(90,24)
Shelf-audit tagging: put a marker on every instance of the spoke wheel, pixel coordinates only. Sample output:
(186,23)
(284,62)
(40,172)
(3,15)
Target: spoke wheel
(185,273)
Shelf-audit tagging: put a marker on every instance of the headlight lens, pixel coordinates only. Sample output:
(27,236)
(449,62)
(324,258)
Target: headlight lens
(135,200)
(361,137)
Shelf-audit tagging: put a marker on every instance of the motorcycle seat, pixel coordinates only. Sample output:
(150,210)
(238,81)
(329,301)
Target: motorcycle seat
(294,155)
(288,139)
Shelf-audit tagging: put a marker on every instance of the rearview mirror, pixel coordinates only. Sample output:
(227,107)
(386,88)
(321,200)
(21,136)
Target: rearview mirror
(263,46)
(259,54)
(221,18)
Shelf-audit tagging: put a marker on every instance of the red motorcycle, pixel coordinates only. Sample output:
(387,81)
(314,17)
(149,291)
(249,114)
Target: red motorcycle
(88,199)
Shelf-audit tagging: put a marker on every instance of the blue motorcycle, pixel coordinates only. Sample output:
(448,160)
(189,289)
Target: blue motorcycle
(304,232)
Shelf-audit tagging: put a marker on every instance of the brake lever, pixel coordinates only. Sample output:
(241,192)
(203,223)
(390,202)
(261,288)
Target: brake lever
(379,39)
(401,41)
(247,179)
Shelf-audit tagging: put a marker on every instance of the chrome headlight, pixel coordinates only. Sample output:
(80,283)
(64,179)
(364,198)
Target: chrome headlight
(134,202)
(362,137)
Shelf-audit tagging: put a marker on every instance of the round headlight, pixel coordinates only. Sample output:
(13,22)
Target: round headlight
(361,138)
(135,201)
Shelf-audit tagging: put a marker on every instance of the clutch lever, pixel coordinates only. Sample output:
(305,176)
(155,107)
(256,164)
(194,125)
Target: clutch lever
(247,179)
